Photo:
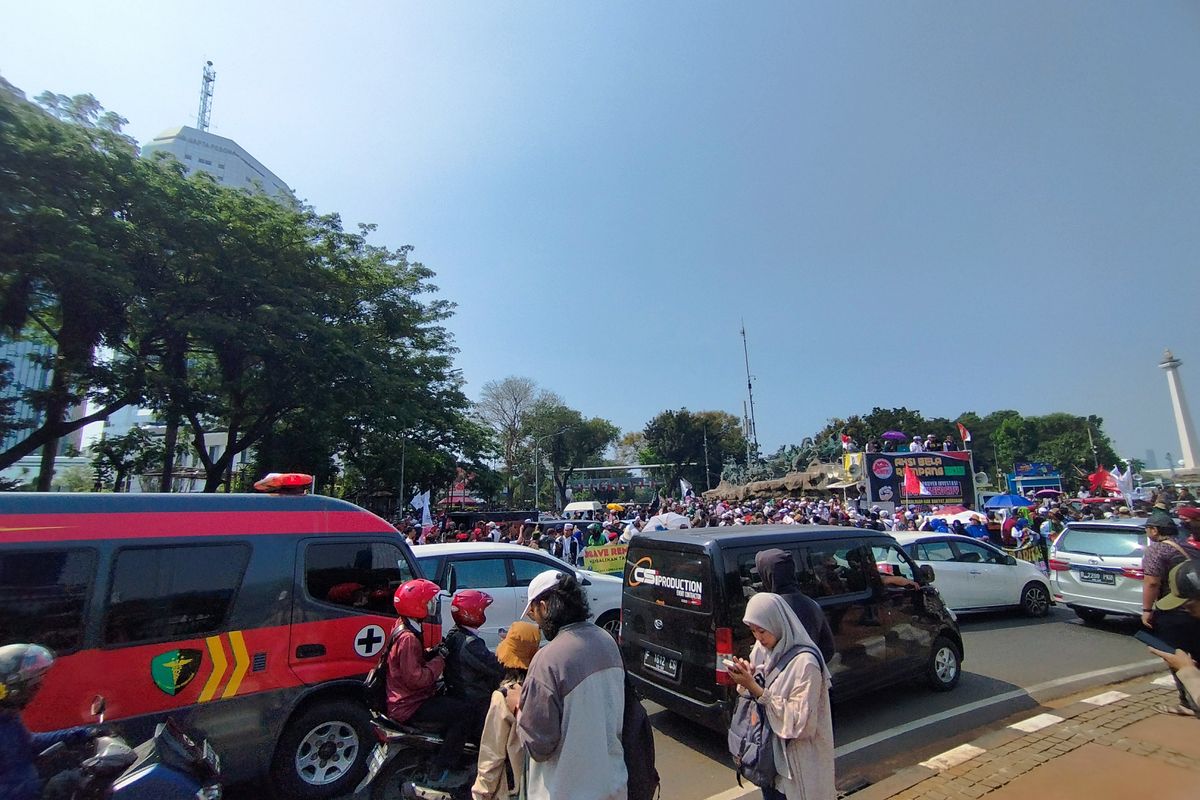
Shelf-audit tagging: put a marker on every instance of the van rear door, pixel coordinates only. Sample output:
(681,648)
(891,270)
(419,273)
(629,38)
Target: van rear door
(668,632)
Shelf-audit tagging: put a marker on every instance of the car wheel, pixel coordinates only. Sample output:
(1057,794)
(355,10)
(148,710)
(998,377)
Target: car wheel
(945,665)
(1035,600)
(611,622)
(323,751)
(1090,616)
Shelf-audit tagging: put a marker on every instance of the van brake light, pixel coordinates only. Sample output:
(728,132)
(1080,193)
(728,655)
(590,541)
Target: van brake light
(724,651)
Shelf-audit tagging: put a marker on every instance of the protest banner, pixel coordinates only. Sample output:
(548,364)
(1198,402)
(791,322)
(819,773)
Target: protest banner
(609,558)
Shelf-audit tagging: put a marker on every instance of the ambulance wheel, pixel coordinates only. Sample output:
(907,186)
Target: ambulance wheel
(323,752)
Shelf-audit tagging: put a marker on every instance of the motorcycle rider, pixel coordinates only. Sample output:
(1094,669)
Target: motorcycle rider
(22,668)
(472,671)
(412,679)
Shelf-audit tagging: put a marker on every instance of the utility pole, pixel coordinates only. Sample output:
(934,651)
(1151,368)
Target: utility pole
(753,431)
(206,93)
(707,481)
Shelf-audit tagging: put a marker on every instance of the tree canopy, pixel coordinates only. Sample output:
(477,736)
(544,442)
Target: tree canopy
(224,310)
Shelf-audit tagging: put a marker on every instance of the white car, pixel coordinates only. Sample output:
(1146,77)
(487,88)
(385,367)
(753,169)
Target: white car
(1097,568)
(504,571)
(971,575)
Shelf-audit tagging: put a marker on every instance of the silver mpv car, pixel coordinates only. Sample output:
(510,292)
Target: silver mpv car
(1096,567)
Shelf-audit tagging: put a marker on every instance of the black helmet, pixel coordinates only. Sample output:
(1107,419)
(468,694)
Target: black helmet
(21,669)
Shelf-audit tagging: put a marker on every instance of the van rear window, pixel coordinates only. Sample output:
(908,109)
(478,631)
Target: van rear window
(676,580)
(1110,542)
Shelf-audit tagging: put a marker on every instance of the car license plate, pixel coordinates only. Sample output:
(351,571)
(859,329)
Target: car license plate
(663,665)
(1093,576)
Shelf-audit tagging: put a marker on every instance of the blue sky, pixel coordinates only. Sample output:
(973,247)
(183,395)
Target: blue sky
(944,206)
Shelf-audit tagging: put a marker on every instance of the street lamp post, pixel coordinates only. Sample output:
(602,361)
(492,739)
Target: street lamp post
(537,487)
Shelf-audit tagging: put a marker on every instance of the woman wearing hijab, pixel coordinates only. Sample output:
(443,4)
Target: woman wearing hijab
(796,703)
(500,747)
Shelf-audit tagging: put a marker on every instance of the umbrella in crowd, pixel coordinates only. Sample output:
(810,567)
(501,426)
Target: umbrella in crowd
(615,507)
(1008,501)
(667,522)
(897,436)
(1047,493)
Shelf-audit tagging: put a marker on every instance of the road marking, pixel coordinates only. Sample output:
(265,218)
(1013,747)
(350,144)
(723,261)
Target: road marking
(952,758)
(734,793)
(933,719)
(1036,723)
(1165,680)
(1104,699)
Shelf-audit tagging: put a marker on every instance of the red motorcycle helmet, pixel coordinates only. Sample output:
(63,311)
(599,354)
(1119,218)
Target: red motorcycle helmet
(414,599)
(469,607)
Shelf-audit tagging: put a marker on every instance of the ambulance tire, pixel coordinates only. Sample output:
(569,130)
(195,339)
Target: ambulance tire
(323,752)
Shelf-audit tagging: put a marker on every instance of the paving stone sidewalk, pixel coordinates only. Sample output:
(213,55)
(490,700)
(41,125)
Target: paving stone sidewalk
(1113,745)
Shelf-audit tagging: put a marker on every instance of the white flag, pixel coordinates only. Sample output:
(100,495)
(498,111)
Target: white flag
(426,517)
(685,488)
(419,501)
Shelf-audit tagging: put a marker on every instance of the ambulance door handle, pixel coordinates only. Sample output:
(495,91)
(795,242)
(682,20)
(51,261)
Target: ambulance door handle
(310,650)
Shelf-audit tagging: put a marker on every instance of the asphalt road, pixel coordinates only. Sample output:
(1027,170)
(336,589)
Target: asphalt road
(1012,664)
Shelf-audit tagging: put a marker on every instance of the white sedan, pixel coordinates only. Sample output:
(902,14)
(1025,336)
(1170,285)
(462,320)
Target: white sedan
(971,575)
(504,571)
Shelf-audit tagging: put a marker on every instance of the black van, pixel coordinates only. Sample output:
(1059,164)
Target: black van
(685,593)
(249,618)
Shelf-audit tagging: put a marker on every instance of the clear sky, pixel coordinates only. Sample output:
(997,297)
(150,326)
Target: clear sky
(945,206)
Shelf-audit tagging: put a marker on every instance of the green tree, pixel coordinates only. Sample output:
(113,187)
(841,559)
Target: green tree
(66,275)
(505,406)
(678,438)
(117,459)
(565,440)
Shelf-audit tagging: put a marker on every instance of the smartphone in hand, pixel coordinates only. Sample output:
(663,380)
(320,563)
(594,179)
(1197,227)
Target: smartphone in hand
(1147,638)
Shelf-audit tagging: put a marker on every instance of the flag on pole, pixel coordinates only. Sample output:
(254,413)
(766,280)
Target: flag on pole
(963,433)
(420,503)
(685,488)
(913,486)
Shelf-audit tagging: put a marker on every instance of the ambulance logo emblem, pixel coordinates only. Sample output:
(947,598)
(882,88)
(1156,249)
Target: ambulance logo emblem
(174,670)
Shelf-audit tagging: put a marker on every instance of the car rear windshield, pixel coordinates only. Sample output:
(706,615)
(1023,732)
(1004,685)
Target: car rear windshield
(669,578)
(1108,542)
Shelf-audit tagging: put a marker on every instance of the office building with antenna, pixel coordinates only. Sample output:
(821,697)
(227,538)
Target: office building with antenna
(199,149)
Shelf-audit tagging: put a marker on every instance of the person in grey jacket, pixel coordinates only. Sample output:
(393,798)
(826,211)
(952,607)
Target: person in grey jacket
(777,571)
(572,704)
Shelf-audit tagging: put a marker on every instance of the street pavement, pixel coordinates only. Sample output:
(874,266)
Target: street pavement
(1013,667)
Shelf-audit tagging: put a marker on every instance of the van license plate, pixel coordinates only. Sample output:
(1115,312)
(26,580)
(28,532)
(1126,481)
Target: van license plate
(663,665)
(1091,576)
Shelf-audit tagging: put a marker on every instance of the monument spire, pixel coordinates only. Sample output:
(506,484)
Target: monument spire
(1183,418)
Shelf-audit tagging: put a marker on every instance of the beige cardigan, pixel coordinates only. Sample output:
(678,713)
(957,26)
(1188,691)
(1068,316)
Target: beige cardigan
(797,706)
(498,745)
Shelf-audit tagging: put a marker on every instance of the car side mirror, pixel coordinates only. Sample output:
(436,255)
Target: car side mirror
(927,575)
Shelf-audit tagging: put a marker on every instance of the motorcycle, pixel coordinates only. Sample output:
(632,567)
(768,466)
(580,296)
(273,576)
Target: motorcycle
(168,766)
(398,767)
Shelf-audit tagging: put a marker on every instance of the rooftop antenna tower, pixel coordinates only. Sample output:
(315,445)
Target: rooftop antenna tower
(752,427)
(206,93)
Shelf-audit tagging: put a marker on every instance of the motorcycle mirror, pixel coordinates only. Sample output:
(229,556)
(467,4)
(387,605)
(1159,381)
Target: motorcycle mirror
(98,705)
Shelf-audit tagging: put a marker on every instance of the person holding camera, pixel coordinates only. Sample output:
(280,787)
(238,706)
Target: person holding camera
(412,678)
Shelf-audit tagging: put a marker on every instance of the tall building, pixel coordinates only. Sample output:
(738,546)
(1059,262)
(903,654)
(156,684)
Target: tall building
(223,158)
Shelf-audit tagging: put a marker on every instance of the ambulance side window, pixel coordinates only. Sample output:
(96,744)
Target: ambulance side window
(359,575)
(172,592)
(43,595)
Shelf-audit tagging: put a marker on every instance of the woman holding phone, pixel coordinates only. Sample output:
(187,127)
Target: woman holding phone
(796,703)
